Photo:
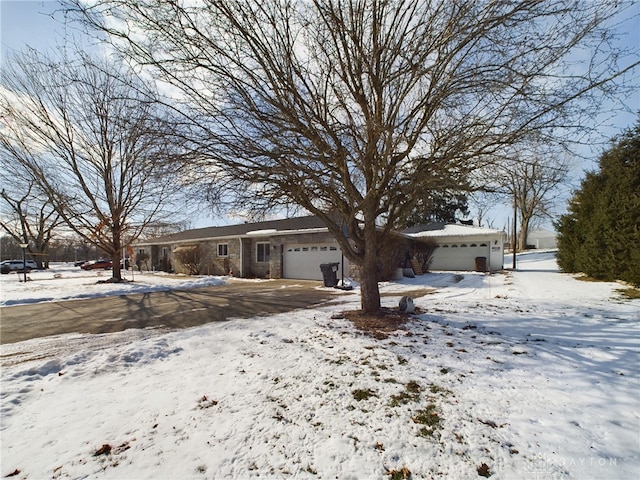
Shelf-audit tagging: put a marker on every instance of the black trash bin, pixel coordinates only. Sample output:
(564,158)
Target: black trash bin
(481,264)
(329,274)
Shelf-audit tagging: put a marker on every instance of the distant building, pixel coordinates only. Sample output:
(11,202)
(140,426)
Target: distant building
(461,247)
(542,238)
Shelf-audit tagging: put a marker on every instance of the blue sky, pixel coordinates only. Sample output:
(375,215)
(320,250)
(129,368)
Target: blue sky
(28,22)
(36,24)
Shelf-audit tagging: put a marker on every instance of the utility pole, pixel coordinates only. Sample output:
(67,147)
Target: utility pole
(515,240)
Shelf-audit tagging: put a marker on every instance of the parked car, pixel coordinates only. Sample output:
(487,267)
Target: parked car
(17,266)
(103,263)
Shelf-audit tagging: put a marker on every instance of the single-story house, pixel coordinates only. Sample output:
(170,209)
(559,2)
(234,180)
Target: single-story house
(287,248)
(542,238)
(296,247)
(463,247)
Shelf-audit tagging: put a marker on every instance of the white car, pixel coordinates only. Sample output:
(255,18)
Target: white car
(17,266)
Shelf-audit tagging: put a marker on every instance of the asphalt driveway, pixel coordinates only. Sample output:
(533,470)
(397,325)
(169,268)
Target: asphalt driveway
(174,309)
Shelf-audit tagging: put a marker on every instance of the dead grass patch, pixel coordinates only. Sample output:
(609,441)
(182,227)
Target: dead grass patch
(380,324)
(363,394)
(403,474)
(428,417)
(113,280)
(586,278)
(630,293)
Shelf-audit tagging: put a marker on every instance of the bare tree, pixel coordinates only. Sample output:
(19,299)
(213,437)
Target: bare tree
(64,247)
(96,142)
(353,109)
(535,188)
(9,247)
(161,228)
(28,217)
(531,180)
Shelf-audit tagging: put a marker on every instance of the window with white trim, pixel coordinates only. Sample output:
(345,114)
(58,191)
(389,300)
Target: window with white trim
(262,252)
(223,249)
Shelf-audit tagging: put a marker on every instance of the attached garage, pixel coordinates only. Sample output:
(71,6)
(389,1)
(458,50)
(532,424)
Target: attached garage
(461,247)
(302,261)
(459,256)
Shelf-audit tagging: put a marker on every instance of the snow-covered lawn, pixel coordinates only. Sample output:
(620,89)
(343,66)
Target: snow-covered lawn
(530,374)
(66,282)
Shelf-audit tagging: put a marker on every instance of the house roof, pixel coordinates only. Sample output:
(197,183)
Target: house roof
(542,233)
(449,230)
(270,227)
(306,224)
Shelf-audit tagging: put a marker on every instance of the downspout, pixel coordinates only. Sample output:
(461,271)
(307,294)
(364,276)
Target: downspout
(241,259)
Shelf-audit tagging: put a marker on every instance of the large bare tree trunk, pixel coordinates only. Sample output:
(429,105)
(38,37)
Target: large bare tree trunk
(523,234)
(370,293)
(116,255)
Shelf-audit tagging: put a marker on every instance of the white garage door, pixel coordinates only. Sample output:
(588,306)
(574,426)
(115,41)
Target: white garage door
(458,256)
(303,260)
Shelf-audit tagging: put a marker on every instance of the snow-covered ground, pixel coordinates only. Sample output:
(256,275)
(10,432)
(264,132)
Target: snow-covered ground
(530,374)
(66,282)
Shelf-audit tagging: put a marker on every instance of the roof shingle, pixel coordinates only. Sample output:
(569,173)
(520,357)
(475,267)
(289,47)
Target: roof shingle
(287,224)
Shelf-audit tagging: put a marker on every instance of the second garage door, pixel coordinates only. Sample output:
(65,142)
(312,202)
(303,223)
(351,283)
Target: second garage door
(303,260)
(458,256)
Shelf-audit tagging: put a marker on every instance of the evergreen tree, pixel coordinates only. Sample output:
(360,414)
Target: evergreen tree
(600,234)
(436,206)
